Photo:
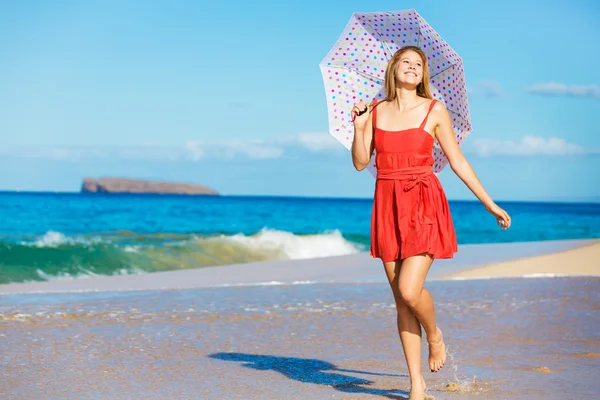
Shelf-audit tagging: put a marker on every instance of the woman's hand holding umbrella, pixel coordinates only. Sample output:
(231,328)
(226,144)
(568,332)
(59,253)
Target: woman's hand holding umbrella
(360,115)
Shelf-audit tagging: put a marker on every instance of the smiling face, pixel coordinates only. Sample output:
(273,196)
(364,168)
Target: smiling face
(408,69)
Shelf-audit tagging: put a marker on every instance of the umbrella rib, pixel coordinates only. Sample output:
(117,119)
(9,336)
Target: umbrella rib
(359,72)
(445,69)
(419,30)
(419,45)
(374,31)
(455,112)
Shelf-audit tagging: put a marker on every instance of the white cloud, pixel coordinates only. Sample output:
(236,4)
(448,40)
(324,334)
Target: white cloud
(278,147)
(319,142)
(528,146)
(485,89)
(193,150)
(562,89)
(80,153)
(231,149)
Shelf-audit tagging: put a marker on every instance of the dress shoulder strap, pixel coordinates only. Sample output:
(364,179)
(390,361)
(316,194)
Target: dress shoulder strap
(373,104)
(427,116)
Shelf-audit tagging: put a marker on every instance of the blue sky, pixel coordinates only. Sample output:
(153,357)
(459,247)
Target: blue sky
(229,94)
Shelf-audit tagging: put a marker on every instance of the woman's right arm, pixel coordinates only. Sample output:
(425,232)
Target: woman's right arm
(362,144)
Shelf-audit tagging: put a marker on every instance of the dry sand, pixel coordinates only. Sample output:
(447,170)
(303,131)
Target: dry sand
(581,261)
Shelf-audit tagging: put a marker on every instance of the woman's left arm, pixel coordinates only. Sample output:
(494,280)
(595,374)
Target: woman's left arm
(444,133)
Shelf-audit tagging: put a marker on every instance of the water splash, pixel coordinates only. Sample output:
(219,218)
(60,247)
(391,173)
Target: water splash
(462,385)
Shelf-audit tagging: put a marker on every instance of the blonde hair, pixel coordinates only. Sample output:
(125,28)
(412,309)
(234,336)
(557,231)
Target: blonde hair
(390,74)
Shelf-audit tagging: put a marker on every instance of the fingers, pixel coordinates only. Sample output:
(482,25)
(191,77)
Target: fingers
(359,109)
(504,220)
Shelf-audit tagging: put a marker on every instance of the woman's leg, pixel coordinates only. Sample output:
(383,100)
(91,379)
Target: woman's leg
(418,299)
(408,329)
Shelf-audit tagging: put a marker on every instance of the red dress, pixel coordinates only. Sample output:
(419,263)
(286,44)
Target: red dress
(410,211)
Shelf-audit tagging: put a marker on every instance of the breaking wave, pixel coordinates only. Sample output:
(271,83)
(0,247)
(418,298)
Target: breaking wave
(55,255)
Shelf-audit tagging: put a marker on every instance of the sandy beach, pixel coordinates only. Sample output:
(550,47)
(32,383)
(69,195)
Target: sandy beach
(309,329)
(579,261)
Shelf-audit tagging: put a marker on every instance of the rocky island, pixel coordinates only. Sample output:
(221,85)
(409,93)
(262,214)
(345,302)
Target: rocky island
(122,185)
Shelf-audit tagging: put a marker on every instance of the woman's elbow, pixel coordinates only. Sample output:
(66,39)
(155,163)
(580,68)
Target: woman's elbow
(359,165)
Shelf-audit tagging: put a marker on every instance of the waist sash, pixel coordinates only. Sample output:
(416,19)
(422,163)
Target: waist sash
(414,178)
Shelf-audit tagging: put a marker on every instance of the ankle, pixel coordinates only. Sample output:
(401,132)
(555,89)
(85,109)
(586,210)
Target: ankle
(435,336)
(417,383)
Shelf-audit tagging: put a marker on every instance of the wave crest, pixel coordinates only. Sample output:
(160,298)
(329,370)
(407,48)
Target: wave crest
(55,255)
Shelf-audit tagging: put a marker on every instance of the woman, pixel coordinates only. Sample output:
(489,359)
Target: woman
(411,223)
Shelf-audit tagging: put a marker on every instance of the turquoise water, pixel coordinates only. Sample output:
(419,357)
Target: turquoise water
(66,235)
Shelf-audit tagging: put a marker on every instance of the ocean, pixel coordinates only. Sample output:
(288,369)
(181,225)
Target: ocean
(45,236)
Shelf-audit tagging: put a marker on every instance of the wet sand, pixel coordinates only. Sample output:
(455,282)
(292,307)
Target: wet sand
(508,338)
(521,339)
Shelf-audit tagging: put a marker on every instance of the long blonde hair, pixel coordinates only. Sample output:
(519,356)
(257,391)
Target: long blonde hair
(390,74)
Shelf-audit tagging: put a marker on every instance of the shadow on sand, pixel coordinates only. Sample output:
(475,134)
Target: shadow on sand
(313,371)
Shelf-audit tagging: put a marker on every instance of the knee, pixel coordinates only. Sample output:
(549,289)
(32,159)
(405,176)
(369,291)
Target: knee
(410,297)
(401,304)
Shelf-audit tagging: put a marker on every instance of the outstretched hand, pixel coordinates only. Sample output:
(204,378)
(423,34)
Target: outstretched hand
(502,217)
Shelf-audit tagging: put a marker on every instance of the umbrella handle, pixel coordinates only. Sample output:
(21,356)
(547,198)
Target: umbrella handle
(360,113)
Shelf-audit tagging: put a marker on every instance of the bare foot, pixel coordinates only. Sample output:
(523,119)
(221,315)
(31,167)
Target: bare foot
(437,352)
(417,391)
(420,396)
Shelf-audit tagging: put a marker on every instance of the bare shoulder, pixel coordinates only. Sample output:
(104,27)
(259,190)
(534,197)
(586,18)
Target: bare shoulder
(438,107)
(439,112)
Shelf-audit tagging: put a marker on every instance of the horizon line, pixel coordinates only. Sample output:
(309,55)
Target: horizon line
(291,196)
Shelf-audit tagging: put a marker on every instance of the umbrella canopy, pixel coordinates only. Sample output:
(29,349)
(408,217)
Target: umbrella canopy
(355,67)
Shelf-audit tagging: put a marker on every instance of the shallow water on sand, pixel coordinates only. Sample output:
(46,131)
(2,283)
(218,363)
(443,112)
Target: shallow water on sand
(520,338)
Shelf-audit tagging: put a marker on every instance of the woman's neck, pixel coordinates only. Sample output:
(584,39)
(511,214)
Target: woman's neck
(406,98)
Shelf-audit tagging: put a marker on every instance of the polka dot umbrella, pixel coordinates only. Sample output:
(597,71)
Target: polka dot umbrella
(355,67)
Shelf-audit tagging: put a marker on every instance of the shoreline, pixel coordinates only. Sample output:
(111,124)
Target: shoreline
(579,261)
(473,261)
